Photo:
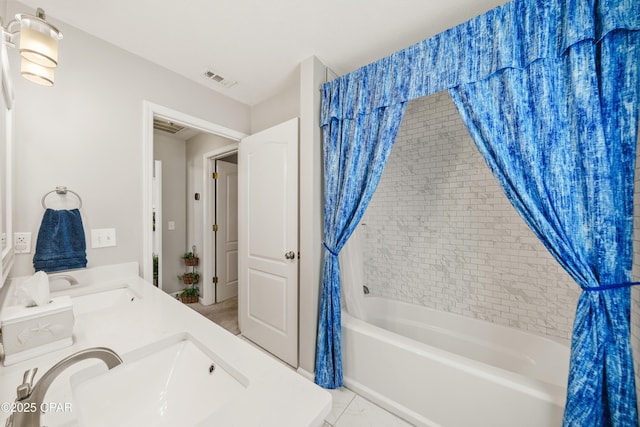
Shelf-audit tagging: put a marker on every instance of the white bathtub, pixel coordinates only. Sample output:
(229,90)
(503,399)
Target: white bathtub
(434,368)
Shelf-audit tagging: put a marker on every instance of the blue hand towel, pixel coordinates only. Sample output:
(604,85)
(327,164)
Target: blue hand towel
(61,242)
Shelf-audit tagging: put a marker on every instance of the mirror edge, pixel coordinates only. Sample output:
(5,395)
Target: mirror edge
(6,157)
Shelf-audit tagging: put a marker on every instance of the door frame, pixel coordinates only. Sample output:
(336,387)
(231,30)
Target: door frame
(157,175)
(208,215)
(149,111)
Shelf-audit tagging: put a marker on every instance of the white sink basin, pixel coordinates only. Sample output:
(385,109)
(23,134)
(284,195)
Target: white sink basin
(176,381)
(92,302)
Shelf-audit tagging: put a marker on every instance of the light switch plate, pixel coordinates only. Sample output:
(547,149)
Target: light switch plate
(103,237)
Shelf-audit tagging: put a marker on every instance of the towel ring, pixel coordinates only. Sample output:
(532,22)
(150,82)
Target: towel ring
(61,190)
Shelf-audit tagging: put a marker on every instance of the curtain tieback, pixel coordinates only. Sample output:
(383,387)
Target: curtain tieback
(329,249)
(614,286)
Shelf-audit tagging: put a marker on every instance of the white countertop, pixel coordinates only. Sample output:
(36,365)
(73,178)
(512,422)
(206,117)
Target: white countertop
(275,396)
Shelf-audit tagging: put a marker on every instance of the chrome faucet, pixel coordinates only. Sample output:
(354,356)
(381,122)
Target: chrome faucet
(69,278)
(32,396)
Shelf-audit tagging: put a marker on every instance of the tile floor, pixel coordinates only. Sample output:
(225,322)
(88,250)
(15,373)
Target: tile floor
(352,410)
(349,409)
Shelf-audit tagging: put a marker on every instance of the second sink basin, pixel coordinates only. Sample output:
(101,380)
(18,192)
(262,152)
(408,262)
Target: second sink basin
(176,381)
(92,302)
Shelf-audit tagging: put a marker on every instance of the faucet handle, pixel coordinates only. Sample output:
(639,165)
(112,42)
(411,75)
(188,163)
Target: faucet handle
(24,389)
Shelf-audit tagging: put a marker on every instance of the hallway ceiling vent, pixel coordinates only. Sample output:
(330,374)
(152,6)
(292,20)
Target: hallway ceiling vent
(219,79)
(166,126)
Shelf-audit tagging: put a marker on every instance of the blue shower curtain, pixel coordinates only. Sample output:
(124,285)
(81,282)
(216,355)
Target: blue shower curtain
(560,137)
(355,152)
(549,90)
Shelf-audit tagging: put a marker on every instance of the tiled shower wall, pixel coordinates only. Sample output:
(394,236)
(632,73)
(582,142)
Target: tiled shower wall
(440,232)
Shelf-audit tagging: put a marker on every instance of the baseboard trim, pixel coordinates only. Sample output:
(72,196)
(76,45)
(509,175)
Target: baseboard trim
(308,375)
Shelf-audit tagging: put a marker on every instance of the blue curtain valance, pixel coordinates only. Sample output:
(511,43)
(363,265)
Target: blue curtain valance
(510,36)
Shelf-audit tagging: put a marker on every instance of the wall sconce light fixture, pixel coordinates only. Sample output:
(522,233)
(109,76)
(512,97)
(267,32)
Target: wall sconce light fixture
(38,46)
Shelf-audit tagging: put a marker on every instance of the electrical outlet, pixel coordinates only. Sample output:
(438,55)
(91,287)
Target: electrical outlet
(22,243)
(103,237)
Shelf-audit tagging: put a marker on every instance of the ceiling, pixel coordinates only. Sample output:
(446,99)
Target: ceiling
(260,43)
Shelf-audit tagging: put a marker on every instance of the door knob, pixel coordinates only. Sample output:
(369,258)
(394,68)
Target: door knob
(290,255)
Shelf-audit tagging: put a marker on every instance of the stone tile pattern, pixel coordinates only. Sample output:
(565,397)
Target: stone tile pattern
(440,232)
(352,410)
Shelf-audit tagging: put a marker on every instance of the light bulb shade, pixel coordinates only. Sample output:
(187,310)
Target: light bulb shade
(38,48)
(36,73)
(38,40)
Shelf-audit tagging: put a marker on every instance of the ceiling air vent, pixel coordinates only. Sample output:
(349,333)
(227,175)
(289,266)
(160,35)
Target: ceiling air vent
(219,79)
(166,126)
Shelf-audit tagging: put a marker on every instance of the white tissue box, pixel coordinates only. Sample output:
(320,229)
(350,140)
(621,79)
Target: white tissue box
(32,331)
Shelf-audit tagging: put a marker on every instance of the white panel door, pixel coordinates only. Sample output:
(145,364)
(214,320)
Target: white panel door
(227,234)
(268,240)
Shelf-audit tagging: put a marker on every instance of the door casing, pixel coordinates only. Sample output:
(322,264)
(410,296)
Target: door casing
(208,297)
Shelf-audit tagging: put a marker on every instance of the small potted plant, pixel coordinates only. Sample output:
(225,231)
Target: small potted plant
(190,278)
(189,295)
(190,259)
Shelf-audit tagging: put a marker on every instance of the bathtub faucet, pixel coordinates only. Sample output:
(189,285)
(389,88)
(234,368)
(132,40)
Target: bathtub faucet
(32,396)
(366,290)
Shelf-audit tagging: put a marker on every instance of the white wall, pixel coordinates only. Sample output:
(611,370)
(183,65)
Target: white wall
(279,108)
(86,133)
(172,152)
(312,75)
